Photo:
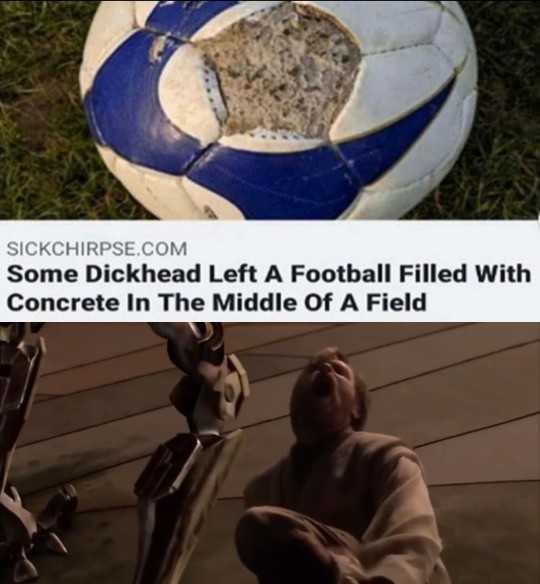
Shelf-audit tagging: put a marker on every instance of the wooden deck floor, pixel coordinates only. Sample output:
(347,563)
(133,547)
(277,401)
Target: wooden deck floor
(466,396)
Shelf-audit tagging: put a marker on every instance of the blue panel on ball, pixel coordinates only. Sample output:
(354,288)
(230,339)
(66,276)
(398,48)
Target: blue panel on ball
(314,184)
(372,156)
(124,112)
(183,19)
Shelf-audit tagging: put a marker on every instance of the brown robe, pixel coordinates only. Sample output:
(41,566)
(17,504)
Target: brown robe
(365,498)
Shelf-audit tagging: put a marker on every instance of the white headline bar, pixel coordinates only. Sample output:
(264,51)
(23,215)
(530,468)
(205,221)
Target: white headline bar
(268,271)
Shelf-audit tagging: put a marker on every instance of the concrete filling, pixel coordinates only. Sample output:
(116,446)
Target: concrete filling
(288,69)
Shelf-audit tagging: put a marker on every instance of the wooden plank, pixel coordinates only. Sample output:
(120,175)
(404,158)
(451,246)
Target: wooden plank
(102,548)
(87,355)
(116,364)
(62,459)
(428,408)
(474,520)
(107,372)
(253,336)
(71,413)
(390,365)
(476,394)
(284,357)
(75,344)
(111,538)
(218,544)
(112,488)
(505,453)
(352,338)
(140,394)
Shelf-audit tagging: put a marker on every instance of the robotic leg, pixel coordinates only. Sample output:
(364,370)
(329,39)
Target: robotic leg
(21,532)
(179,486)
(181,483)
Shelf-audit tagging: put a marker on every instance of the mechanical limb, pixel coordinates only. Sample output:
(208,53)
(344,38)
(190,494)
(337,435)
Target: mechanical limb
(180,484)
(20,531)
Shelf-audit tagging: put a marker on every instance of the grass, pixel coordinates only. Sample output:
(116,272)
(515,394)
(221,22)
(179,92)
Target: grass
(49,168)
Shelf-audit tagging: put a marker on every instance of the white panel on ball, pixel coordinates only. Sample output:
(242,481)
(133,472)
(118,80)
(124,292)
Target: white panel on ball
(190,96)
(384,25)
(143,9)
(233,15)
(270,142)
(377,204)
(112,24)
(452,40)
(415,75)
(468,79)
(429,152)
(109,157)
(161,194)
(381,201)
(456,10)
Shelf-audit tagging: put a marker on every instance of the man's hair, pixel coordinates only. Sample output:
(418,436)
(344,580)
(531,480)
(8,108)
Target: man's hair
(358,424)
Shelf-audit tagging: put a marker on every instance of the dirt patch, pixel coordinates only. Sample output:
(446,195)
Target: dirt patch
(288,69)
(33,113)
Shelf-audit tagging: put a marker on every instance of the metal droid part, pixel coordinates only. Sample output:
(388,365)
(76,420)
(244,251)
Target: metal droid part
(20,531)
(180,484)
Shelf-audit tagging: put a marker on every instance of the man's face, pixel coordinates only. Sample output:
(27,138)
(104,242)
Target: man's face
(324,399)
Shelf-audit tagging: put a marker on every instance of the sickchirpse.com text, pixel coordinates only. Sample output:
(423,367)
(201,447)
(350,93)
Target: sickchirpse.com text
(89,249)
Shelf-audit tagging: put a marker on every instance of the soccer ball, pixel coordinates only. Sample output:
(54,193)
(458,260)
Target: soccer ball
(280,110)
